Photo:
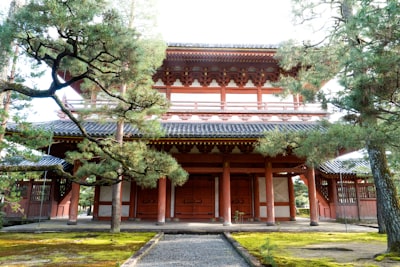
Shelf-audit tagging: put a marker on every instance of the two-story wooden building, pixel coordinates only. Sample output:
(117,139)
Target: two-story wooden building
(222,101)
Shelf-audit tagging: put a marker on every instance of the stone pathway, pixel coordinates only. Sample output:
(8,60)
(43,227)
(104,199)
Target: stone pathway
(192,250)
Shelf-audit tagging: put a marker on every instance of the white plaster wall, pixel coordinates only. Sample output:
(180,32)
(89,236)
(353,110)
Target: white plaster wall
(276,98)
(182,97)
(281,194)
(282,211)
(105,210)
(126,191)
(106,192)
(261,189)
(263,211)
(281,191)
(241,97)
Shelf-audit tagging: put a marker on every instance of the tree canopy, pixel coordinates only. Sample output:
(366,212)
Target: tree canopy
(91,44)
(359,48)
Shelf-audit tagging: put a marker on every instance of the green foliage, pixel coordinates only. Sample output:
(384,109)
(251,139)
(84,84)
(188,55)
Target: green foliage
(132,160)
(266,251)
(301,193)
(316,146)
(303,212)
(86,196)
(93,44)
(360,48)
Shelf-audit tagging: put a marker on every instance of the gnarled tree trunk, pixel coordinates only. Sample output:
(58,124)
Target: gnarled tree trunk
(386,195)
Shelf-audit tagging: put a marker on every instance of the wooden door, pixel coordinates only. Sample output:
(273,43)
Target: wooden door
(195,199)
(241,195)
(147,203)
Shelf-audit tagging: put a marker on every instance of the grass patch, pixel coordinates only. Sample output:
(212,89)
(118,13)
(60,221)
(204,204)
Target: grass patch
(69,249)
(281,242)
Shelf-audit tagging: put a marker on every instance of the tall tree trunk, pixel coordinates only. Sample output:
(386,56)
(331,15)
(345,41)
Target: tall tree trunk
(116,209)
(5,98)
(386,195)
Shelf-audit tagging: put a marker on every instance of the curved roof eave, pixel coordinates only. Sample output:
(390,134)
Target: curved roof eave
(215,130)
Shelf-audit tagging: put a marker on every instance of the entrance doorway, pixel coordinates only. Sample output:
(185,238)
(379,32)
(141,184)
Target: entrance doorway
(196,198)
(147,203)
(241,195)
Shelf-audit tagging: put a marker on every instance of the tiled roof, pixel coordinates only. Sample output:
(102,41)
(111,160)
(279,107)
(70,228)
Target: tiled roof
(177,129)
(208,45)
(355,166)
(44,161)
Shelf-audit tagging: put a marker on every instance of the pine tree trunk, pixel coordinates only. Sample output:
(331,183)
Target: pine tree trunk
(386,195)
(116,208)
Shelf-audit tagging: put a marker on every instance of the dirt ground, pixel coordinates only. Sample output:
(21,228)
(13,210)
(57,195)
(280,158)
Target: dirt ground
(356,253)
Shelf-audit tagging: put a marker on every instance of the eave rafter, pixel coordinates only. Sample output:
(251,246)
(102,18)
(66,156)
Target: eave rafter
(222,65)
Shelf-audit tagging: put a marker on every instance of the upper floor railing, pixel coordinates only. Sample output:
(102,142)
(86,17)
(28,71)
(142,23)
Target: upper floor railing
(206,110)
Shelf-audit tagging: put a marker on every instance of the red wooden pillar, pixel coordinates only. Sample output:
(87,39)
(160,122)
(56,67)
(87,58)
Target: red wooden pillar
(168,199)
(226,194)
(333,197)
(292,199)
(28,201)
(223,98)
(357,188)
(269,184)
(259,98)
(132,198)
(162,200)
(256,199)
(74,202)
(312,197)
(220,198)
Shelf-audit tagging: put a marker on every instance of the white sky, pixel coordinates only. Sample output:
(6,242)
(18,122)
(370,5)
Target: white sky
(221,21)
(213,21)
(226,21)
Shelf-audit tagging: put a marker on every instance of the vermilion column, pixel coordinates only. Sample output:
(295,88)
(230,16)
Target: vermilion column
(256,199)
(162,200)
(312,197)
(292,200)
(226,194)
(270,194)
(333,197)
(74,202)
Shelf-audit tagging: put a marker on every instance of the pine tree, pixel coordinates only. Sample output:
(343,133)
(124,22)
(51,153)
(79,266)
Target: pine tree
(94,45)
(361,49)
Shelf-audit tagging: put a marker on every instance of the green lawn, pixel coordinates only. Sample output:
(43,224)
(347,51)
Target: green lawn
(92,249)
(276,247)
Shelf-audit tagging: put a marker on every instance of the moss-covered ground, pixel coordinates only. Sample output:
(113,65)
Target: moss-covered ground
(94,249)
(316,249)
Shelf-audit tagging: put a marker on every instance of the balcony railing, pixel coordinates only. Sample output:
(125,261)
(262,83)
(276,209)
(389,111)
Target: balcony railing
(204,110)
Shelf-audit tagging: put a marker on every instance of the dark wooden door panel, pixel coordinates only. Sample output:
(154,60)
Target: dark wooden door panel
(241,198)
(195,199)
(147,201)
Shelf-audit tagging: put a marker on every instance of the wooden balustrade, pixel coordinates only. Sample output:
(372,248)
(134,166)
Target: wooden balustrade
(204,110)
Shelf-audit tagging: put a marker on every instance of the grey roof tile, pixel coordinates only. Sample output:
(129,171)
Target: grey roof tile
(44,161)
(355,166)
(178,129)
(222,45)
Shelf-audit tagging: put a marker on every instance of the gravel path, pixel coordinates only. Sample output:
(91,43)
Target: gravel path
(192,250)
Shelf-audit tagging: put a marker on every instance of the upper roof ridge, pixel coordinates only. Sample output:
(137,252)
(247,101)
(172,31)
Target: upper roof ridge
(223,45)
